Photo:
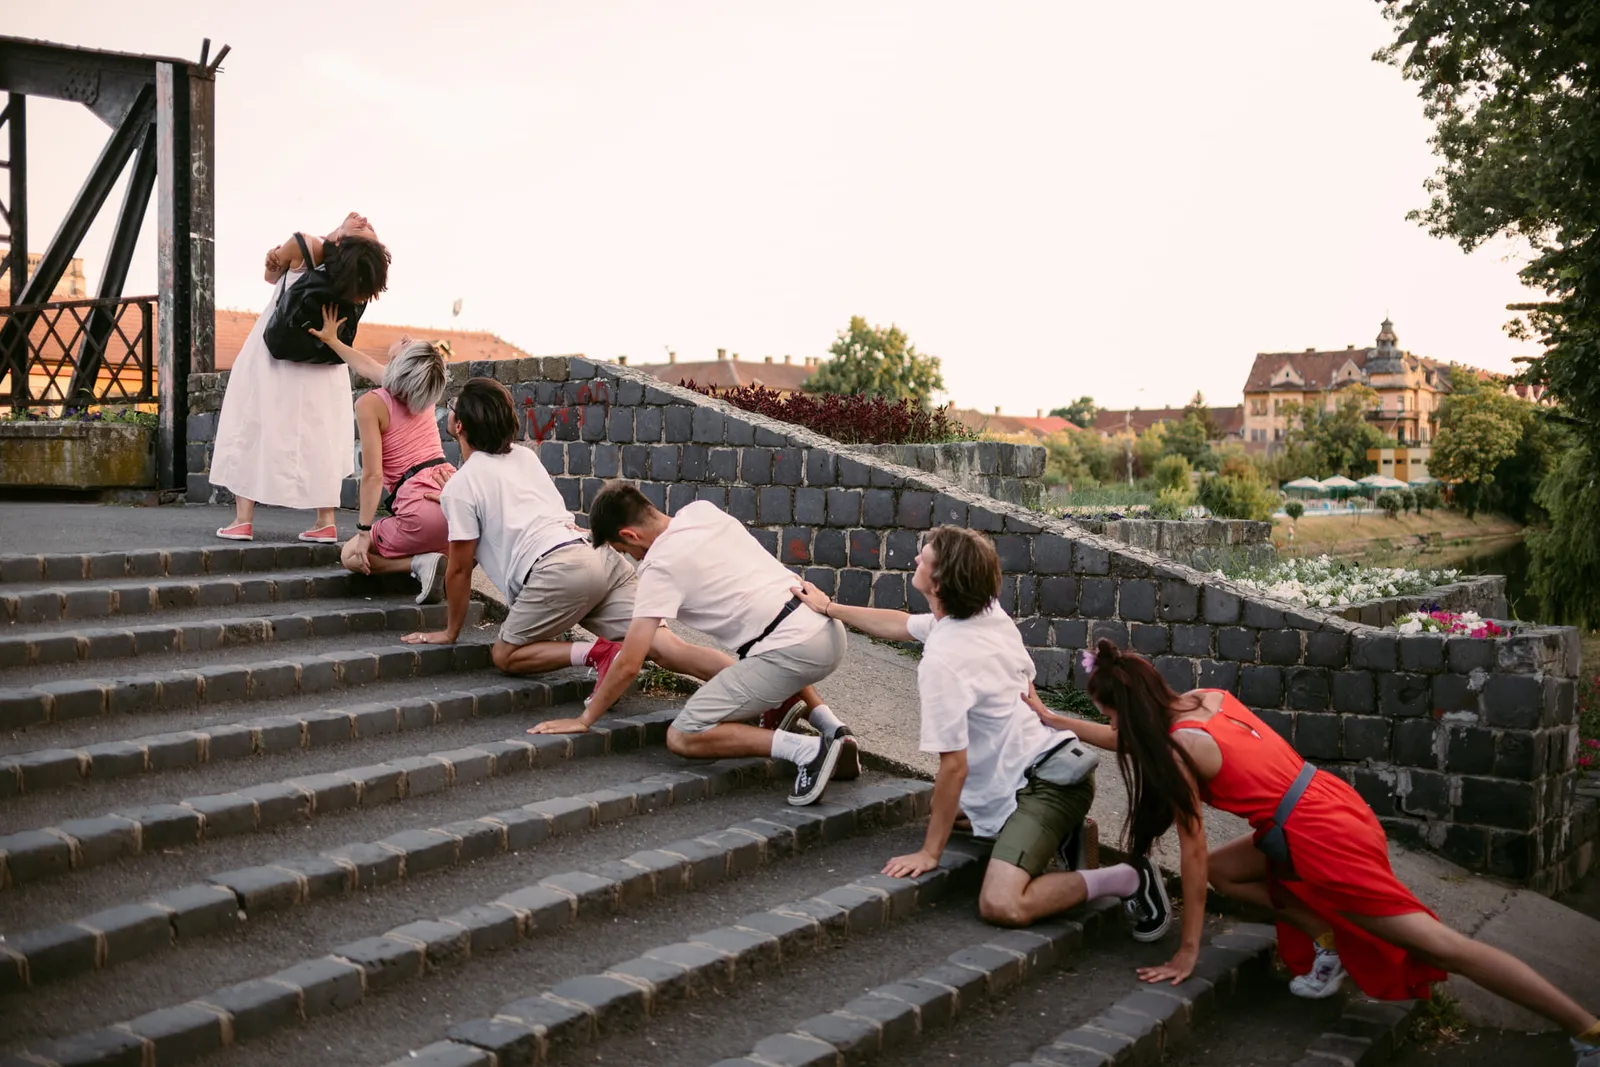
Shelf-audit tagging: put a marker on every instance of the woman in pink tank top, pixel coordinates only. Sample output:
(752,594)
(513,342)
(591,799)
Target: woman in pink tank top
(402,463)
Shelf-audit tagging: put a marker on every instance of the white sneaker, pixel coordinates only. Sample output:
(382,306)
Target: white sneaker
(428,569)
(1326,976)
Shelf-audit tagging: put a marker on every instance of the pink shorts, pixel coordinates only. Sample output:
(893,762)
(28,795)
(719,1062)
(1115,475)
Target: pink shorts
(417,525)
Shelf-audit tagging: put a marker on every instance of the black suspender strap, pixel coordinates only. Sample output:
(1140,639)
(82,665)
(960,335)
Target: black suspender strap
(744,649)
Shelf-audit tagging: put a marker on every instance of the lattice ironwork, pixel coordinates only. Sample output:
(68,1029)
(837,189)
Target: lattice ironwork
(115,337)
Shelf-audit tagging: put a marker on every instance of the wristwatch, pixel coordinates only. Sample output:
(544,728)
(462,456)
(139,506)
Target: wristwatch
(364,527)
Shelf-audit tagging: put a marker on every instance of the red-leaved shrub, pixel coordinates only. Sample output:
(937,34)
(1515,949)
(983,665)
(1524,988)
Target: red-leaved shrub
(850,420)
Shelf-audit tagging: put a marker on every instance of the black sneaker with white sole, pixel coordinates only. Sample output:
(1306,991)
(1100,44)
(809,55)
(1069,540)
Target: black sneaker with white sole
(812,778)
(1149,909)
(848,769)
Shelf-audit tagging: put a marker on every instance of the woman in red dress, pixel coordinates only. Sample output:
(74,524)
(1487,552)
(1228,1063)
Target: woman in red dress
(1176,752)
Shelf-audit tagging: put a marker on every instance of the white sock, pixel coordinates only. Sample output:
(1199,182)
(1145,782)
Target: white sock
(823,718)
(1120,880)
(796,748)
(580,652)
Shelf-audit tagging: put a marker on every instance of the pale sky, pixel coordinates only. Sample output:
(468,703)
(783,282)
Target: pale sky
(1056,198)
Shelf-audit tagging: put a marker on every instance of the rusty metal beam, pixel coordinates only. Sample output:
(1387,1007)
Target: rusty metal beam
(16,123)
(124,239)
(107,83)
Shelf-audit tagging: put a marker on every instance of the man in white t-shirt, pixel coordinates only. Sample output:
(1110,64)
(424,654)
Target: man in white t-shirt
(703,568)
(505,512)
(1019,782)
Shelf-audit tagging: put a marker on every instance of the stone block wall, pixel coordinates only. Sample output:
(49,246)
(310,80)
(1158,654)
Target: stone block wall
(1000,469)
(1482,593)
(1461,745)
(1202,543)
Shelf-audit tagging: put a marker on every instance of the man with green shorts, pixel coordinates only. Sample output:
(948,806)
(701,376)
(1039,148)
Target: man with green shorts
(1019,782)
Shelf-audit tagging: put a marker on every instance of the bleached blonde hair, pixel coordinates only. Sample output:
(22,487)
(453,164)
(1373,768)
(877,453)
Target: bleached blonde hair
(416,376)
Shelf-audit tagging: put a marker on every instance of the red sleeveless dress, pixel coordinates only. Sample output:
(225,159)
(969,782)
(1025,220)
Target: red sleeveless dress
(1338,849)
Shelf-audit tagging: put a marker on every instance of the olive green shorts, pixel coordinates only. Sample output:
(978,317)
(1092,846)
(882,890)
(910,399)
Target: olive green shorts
(1046,816)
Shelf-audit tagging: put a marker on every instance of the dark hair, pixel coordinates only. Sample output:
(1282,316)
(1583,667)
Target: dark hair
(1150,758)
(618,504)
(967,569)
(487,416)
(358,268)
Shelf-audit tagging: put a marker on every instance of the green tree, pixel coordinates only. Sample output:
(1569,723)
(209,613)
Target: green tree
(1294,509)
(1171,472)
(877,361)
(1338,439)
(1564,559)
(1080,412)
(1540,440)
(1189,439)
(1391,502)
(1197,408)
(1474,438)
(1239,494)
(1509,86)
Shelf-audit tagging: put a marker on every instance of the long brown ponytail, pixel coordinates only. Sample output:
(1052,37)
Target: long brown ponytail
(1151,761)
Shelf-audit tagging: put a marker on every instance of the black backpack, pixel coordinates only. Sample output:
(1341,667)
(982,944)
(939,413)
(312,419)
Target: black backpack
(299,310)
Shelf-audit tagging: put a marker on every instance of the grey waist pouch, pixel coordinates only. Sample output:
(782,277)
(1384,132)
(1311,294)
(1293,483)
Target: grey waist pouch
(1067,764)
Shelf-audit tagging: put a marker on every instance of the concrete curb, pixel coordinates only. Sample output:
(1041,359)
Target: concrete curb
(218,904)
(1143,1026)
(352,972)
(536,1029)
(33,855)
(159,563)
(1368,1033)
(46,769)
(101,644)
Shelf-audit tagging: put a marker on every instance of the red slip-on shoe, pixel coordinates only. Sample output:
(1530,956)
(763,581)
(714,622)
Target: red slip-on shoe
(239,531)
(326,536)
(600,657)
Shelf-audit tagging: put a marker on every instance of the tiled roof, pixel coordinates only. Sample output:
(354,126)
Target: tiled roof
(732,373)
(983,422)
(1228,420)
(372,338)
(1318,368)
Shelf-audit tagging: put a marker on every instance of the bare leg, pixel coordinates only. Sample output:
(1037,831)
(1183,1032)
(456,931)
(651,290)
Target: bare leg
(324,518)
(376,564)
(697,661)
(724,739)
(243,510)
(535,657)
(1011,897)
(1239,870)
(1497,971)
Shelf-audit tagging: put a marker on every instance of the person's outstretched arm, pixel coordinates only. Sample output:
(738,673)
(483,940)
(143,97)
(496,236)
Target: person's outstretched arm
(884,623)
(286,257)
(623,670)
(1097,734)
(462,557)
(360,362)
(941,820)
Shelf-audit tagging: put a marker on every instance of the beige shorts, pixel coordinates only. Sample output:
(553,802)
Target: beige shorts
(747,687)
(572,585)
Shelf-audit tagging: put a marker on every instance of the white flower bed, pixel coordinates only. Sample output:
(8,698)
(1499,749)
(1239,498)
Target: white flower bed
(1325,582)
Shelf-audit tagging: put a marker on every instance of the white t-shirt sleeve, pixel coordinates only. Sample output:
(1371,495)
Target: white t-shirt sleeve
(945,700)
(459,514)
(656,596)
(919,626)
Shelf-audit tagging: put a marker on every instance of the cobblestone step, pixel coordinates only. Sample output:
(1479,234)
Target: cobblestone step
(37,771)
(28,604)
(77,844)
(595,894)
(207,629)
(326,666)
(18,568)
(115,936)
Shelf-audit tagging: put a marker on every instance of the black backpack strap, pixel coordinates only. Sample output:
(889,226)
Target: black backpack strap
(305,251)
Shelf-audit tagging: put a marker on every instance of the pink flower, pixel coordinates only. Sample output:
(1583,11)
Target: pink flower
(1585,761)
(1591,742)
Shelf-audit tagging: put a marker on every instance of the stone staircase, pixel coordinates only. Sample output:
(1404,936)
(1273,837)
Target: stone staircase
(241,823)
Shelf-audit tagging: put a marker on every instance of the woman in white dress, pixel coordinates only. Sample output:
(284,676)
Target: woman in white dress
(285,434)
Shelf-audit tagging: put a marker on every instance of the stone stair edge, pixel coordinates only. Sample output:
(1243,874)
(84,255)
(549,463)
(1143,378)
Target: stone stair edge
(161,562)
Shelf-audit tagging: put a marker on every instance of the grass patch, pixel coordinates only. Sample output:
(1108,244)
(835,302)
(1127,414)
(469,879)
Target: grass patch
(910,649)
(659,682)
(1070,700)
(1439,1020)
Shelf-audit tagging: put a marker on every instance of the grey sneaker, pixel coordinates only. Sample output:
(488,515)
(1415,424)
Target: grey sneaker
(1073,854)
(428,569)
(1323,980)
(1588,1055)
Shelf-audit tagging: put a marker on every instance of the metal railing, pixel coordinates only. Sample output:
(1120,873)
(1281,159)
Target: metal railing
(69,354)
